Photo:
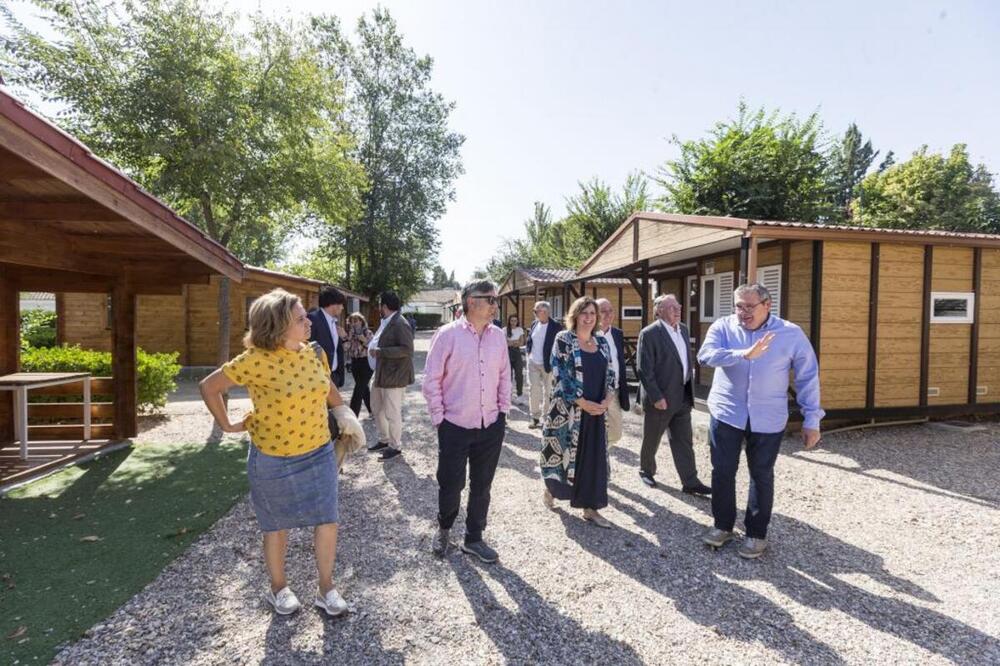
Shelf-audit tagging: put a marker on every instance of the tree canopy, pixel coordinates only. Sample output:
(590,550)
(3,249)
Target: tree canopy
(593,213)
(239,132)
(404,143)
(930,191)
(758,165)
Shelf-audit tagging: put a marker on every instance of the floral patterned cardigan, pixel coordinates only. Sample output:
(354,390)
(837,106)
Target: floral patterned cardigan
(561,429)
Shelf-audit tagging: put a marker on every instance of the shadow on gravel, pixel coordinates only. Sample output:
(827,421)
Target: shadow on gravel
(804,564)
(534,632)
(281,631)
(961,464)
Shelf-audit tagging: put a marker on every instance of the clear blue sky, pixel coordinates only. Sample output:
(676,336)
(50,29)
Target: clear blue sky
(550,93)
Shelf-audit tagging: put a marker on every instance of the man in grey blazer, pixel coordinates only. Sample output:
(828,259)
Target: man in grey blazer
(665,365)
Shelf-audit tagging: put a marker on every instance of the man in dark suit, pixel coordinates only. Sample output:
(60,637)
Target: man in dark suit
(391,357)
(541,335)
(665,365)
(616,339)
(328,331)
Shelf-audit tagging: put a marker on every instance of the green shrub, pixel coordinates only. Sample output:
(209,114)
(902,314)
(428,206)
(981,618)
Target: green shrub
(38,328)
(157,372)
(427,319)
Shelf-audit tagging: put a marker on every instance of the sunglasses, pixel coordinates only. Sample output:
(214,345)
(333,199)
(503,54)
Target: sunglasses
(492,300)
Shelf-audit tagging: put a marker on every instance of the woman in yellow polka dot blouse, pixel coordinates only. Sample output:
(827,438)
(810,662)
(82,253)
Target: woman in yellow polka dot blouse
(291,466)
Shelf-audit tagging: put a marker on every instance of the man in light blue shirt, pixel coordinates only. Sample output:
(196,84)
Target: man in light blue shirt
(752,352)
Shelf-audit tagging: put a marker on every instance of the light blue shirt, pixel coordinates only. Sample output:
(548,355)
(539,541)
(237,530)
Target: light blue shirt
(757,390)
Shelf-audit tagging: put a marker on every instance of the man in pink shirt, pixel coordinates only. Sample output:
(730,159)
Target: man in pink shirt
(467,388)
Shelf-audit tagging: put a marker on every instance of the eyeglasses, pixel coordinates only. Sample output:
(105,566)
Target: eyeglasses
(492,300)
(747,309)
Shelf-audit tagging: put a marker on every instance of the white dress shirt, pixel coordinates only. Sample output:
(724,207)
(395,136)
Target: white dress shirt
(332,322)
(538,343)
(681,344)
(373,345)
(614,350)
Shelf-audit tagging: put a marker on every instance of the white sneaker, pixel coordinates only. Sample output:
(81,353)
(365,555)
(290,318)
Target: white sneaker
(285,602)
(332,603)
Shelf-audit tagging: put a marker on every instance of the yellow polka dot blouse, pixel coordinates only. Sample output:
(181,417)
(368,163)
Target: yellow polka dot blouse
(288,390)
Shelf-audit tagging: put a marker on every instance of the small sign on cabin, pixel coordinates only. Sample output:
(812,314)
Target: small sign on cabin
(709,268)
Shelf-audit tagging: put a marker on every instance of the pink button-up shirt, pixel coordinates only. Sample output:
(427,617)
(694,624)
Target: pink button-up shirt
(467,375)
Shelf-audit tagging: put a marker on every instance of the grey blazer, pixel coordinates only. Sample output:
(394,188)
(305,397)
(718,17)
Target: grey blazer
(660,370)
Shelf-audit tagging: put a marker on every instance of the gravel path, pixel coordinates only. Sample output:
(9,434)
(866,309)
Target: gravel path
(885,549)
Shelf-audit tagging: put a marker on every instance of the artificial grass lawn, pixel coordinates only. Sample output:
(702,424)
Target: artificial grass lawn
(143,504)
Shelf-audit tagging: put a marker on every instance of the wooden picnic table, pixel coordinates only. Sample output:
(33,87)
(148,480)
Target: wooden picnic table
(21,382)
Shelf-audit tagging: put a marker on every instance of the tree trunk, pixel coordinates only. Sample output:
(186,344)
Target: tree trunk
(224,323)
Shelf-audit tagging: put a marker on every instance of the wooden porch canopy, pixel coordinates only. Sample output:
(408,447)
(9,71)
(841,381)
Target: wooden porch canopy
(72,222)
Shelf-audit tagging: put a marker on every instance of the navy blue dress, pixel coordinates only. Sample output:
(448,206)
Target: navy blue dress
(590,487)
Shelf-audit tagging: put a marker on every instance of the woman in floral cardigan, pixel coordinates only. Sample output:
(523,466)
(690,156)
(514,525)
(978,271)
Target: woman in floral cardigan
(574,458)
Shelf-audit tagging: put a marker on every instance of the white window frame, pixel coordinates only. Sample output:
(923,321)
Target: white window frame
(970,308)
(636,317)
(719,300)
(557,306)
(776,294)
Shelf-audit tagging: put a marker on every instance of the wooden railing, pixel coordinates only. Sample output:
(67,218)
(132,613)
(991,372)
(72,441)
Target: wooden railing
(68,416)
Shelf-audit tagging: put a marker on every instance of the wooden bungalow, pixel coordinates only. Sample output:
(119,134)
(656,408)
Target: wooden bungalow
(71,222)
(186,323)
(560,287)
(905,323)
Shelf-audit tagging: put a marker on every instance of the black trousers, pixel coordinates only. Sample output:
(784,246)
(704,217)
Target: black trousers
(362,373)
(478,450)
(517,368)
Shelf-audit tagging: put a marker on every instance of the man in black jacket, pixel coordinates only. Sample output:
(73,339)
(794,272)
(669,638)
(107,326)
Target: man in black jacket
(541,335)
(328,331)
(616,339)
(665,365)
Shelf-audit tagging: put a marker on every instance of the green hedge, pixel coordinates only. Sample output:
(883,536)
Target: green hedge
(427,320)
(38,328)
(157,372)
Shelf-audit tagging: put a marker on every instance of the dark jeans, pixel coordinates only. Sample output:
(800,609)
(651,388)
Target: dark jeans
(362,373)
(762,452)
(479,450)
(517,368)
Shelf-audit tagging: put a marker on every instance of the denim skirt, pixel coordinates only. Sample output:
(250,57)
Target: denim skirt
(293,491)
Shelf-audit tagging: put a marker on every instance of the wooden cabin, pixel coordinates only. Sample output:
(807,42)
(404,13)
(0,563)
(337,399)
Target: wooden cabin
(70,221)
(904,323)
(526,286)
(187,323)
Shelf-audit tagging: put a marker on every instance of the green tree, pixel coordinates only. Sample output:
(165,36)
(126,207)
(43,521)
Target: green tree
(757,165)
(596,211)
(239,132)
(930,191)
(408,152)
(849,161)
(441,279)
(315,264)
(543,244)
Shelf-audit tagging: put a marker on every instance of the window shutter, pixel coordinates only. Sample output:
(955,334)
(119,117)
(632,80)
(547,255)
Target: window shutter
(770,277)
(725,294)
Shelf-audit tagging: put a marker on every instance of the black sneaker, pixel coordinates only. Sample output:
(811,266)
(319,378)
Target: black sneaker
(647,479)
(377,446)
(697,489)
(481,550)
(389,453)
